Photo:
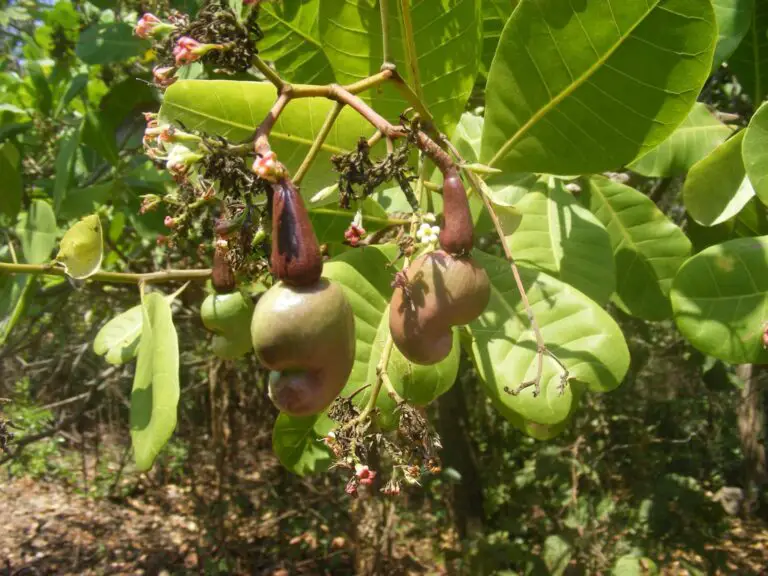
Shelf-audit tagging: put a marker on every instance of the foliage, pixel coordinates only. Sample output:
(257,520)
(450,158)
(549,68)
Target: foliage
(613,155)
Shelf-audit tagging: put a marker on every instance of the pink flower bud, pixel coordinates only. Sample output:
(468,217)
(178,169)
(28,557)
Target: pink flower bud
(147,25)
(365,475)
(169,222)
(187,50)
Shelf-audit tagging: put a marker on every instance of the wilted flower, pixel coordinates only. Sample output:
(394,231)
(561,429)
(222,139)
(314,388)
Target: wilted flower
(163,75)
(392,488)
(351,487)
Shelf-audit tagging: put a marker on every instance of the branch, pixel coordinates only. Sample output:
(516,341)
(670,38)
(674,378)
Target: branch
(325,129)
(113,277)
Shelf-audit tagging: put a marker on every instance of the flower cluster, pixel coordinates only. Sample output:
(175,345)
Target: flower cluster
(355,232)
(178,149)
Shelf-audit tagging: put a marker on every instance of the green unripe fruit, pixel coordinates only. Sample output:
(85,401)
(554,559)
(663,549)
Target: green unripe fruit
(441,291)
(306,335)
(228,316)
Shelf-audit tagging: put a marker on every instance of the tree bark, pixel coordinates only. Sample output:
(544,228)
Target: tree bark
(752,431)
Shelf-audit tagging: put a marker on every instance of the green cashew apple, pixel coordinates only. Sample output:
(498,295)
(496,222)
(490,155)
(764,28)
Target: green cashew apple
(439,291)
(228,316)
(306,336)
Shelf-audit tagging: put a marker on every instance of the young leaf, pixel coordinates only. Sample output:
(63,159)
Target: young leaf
(755,152)
(37,231)
(297,443)
(10,187)
(439,62)
(582,335)
(648,248)
(696,137)
(717,187)
(559,236)
(233,110)
(720,297)
(82,248)
(155,393)
(118,339)
(586,87)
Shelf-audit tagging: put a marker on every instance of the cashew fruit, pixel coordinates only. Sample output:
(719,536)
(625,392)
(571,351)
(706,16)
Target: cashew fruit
(441,291)
(306,336)
(457,233)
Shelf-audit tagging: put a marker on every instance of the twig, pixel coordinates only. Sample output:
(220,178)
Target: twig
(386,54)
(325,129)
(113,277)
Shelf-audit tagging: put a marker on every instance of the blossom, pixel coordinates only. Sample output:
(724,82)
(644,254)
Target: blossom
(353,234)
(365,475)
(188,50)
(180,158)
(150,26)
(427,234)
(169,221)
(267,167)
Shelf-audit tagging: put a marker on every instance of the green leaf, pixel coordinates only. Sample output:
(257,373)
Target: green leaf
(557,553)
(100,135)
(647,246)
(733,20)
(42,90)
(118,339)
(576,329)
(65,163)
(420,385)
(298,443)
(696,137)
(750,60)
(495,16)
(754,149)
(630,565)
(75,87)
(291,41)
(366,276)
(719,299)
(10,187)
(751,221)
(234,110)
(717,187)
(559,236)
(155,393)
(440,65)
(37,231)
(82,248)
(82,201)
(587,87)
(13,299)
(111,42)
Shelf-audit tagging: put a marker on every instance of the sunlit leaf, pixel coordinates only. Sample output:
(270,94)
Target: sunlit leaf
(586,87)
(647,246)
(717,188)
(755,152)
(440,65)
(82,248)
(720,298)
(577,330)
(733,20)
(118,339)
(561,237)
(155,393)
(37,231)
(696,137)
